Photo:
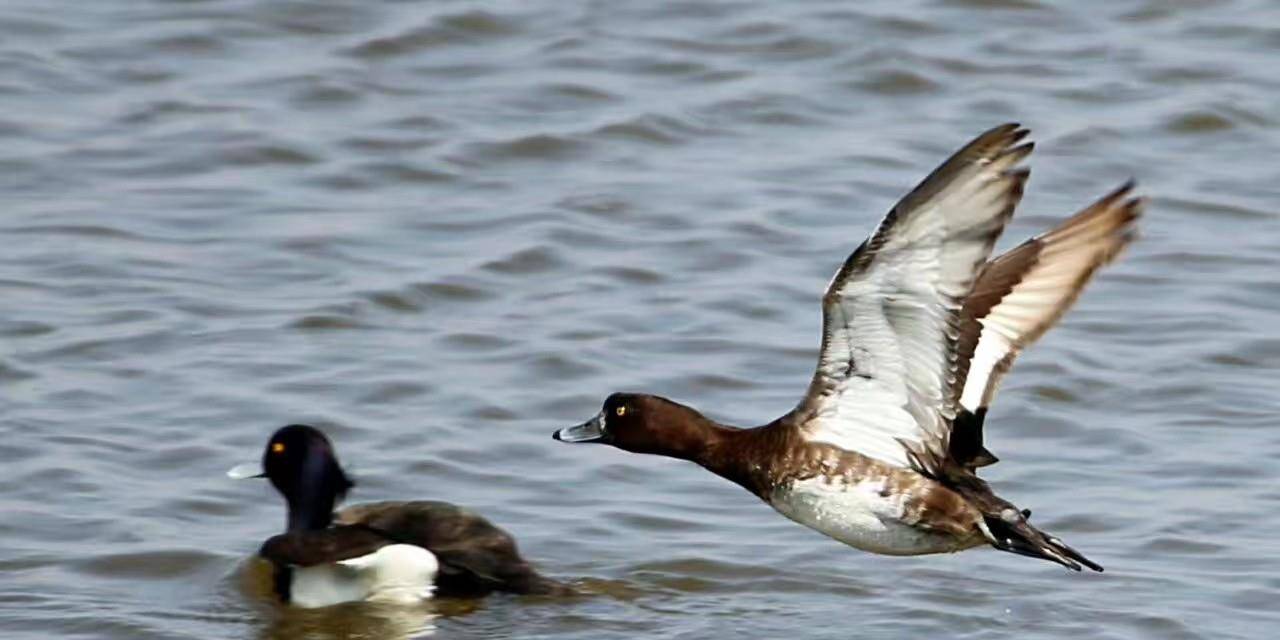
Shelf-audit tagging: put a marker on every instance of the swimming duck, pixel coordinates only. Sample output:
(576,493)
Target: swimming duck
(384,551)
(919,329)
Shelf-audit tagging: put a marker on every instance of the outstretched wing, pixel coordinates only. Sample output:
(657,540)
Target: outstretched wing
(883,385)
(1022,294)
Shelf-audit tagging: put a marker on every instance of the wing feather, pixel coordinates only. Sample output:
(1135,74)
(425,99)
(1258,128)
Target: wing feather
(1023,293)
(883,385)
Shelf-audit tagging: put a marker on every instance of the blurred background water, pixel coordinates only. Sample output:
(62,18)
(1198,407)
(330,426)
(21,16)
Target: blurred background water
(441,230)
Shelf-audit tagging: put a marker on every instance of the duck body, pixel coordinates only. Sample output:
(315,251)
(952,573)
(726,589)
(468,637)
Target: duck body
(475,556)
(394,551)
(920,326)
(399,552)
(864,514)
(858,500)
(881,510)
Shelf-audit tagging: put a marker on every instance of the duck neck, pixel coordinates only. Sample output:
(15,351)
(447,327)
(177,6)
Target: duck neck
(736,454)
(696,441)
(726,451)
(310,506)
(310,512)
(313,491)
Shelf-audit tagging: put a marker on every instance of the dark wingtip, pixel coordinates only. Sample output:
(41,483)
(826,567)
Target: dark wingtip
(965,446)
(984,459)
(1008,127)
(1008,134)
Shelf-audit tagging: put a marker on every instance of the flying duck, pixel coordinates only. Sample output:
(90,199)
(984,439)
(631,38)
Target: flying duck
(919,328)
(384,551)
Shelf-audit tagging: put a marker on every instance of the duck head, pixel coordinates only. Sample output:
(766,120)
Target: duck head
(301,464)
(642,423)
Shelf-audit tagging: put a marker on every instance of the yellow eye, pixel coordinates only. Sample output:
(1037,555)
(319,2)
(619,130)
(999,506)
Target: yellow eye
(621,411)
(277,447)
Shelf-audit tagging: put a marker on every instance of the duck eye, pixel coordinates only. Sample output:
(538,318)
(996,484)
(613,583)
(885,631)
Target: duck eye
(277,447)
(621,411)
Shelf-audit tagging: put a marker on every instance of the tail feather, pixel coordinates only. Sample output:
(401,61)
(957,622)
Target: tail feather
(1014,534)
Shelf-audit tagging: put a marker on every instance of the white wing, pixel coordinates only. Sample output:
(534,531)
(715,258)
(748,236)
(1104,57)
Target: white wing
(1024,292)
(883,385)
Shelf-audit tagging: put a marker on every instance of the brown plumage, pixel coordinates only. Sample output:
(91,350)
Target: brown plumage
(1025,291)
(919,329)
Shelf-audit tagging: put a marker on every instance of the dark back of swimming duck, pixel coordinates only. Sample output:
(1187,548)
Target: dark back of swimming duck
(476,557)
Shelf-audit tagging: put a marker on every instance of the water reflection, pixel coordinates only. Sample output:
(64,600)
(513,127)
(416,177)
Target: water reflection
(352,622)
(349,621)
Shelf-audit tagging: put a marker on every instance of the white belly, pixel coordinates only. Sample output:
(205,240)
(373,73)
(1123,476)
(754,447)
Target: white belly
(399,573)
(858,515)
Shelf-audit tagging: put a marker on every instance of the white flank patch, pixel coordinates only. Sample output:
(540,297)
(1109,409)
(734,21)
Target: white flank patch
(857,515)
(399,573)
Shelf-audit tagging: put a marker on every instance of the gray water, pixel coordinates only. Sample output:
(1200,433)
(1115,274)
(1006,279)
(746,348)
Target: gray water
(442,230)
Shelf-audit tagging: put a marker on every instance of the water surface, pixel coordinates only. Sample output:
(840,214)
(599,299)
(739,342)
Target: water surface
(440,230)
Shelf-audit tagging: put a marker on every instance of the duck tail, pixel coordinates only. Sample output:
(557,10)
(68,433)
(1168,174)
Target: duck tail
(1010,531)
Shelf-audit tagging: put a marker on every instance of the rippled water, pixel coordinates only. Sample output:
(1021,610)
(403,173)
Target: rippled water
(441,230)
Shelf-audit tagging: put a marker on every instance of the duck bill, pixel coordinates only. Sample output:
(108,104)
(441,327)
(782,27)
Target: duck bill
(589,431)
(246,471)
